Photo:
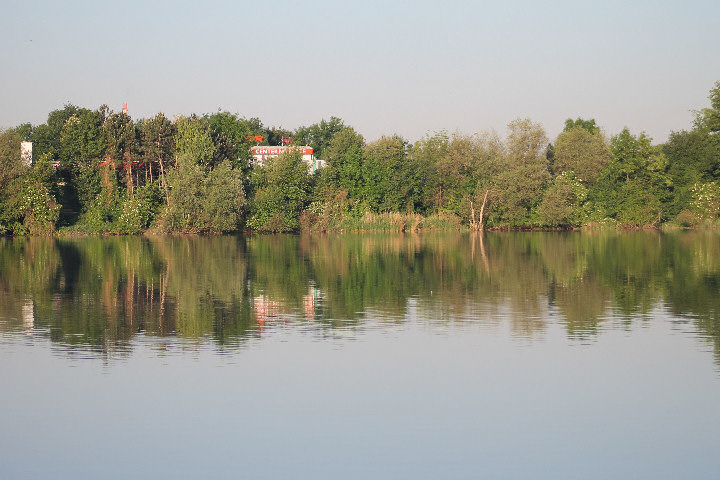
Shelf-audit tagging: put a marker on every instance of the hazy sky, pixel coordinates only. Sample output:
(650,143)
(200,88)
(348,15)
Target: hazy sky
(384,67)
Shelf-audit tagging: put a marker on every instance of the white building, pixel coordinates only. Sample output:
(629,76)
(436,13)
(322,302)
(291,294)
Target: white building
(26,153)
(261,153)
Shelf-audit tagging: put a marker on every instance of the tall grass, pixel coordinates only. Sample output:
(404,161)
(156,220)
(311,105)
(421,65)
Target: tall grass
(383,222)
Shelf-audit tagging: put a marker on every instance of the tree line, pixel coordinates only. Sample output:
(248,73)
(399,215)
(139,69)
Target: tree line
(99,171)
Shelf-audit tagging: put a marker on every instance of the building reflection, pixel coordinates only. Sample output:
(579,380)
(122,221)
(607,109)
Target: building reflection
(269,311)
(265,310)
(310,302)
(28,315)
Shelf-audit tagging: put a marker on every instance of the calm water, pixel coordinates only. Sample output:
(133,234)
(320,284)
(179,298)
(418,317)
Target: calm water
(528,356)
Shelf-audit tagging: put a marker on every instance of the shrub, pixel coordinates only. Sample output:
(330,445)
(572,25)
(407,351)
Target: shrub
(638,205)
(282,190)
(204,200)
(139,211)
(39,209)
(562,204)
(705,200)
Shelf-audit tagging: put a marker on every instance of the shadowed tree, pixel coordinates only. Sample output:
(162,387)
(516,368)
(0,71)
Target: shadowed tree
(233,136)
(120,140)
(158,145)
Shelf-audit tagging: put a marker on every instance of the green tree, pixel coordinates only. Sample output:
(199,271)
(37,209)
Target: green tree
(25,131)
(693,155)
(281,192)
(82,148)
(705,200)
(427,154)
(456,171)
(223,203)
(638,205)
(204,200)
(184,205)
(587,125)
(202,197)
(694,162)
(11,168)
(526,143)
(81,140)
(582,152)
(11,165)
(157,137)
(522,184)
(274,135)
(344,155)
(233,136)
(193,141)
(631,155)
(563,201)
(99,187)
(47,138)
(120,139)
(37,205)
(709,118)
(466,174)
(139,211)
(319,135)
(634,188)
(390,178)
(27,204)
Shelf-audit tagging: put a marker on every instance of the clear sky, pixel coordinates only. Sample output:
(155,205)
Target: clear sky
(384,67)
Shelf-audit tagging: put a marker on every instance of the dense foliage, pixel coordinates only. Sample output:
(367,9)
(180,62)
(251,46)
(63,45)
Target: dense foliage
(101,171)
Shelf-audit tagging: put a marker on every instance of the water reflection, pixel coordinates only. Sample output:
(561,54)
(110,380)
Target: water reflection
(103,294)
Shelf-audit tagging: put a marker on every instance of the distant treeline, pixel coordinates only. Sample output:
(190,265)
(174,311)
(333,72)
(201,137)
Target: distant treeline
(98,171)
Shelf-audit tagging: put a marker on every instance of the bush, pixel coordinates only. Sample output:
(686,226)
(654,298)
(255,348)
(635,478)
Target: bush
(638,206)
(102,213)
(204,201)
(687,219)
(139,212)
(705,200)
(562,204)
(39,209)
(282,190)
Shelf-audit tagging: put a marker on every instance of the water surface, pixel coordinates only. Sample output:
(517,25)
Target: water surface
(528,355)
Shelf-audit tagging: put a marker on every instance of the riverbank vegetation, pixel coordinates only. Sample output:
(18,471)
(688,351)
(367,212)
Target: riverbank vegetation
(99,171)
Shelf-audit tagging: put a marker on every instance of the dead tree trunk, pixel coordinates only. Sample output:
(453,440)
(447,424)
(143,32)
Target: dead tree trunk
(482,211)
(473,224)
(162,180)
(128,173)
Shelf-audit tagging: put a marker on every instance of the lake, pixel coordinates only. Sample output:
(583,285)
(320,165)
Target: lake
(416,356)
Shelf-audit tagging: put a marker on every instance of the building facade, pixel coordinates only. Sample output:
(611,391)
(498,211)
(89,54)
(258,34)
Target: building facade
(261,153)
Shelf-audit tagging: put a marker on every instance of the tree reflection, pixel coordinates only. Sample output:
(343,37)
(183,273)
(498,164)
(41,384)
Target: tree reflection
(100,293)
